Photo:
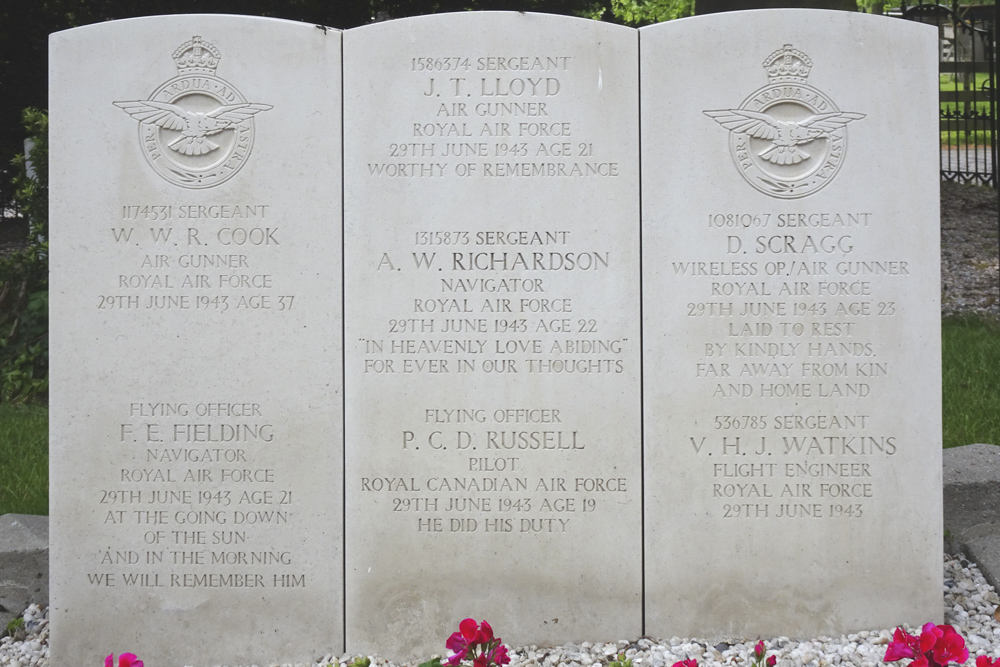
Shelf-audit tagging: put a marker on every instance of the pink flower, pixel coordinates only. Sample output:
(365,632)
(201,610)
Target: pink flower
(690,662)
(476,641)
(124,660)
(485,634)
(936,646)
(499,656)
(469,629)
(983,661)
(460,642)
(758,650)
(929,634)
(772,661)
(949,647)
(901,647)
(458,652)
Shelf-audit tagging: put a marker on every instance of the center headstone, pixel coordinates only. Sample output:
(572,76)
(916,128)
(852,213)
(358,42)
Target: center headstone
(492,328)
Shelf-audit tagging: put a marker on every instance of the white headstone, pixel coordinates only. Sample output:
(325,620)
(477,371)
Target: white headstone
(791,324)
(492,328)
(196,354)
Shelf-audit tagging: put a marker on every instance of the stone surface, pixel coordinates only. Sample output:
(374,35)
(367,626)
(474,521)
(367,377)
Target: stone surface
(492,328)
(494,418)
(792,377)
(972,505)
(24,563)
(982,541)
(970,474)
(195,288)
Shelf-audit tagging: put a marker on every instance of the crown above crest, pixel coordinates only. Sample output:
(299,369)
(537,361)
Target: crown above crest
(197,55)
(787,65)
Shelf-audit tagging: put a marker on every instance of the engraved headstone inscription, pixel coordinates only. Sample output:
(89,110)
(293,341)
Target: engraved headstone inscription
(791,324)
(253,461)
(492,329)
(196,406)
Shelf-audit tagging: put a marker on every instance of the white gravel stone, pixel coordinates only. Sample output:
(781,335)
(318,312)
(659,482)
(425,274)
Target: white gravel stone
(971,614)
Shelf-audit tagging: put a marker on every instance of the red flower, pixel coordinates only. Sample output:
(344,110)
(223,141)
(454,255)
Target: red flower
(485,635)
(476,641)
(469,629)
(758,650)
(458,652)
(901,647)
(983,661)
(499,656)
(936,646)
(124,660)
(949,647)
(772,661)
(690,662)
(929,634)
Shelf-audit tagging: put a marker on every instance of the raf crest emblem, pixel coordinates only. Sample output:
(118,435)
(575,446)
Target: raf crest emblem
(196,130)
(788,139)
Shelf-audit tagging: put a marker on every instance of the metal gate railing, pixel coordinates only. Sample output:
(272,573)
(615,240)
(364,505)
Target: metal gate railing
(968,84)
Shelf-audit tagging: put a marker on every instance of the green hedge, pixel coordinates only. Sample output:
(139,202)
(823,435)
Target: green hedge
(24,278)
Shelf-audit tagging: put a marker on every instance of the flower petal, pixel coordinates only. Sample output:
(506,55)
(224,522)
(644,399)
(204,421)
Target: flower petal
(928,638)
(456,643)
(469,628)
(905,638)
(109,661)
(902,646)
(499,655)
(950,647)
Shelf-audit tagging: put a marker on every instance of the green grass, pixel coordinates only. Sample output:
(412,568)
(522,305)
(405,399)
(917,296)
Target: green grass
(970,355)
(948,80)
(24,459)
(960,139)
(979,134)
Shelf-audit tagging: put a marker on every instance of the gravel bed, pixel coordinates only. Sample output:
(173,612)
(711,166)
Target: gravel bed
(970,605)
(970,272)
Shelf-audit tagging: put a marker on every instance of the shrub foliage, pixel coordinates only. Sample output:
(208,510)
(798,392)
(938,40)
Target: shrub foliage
(24,277)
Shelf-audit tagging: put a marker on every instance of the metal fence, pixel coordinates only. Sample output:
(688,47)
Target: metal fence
(968,103)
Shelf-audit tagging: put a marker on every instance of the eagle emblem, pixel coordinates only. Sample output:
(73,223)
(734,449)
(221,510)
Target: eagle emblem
(196,130)
(788,139)
(785,137)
